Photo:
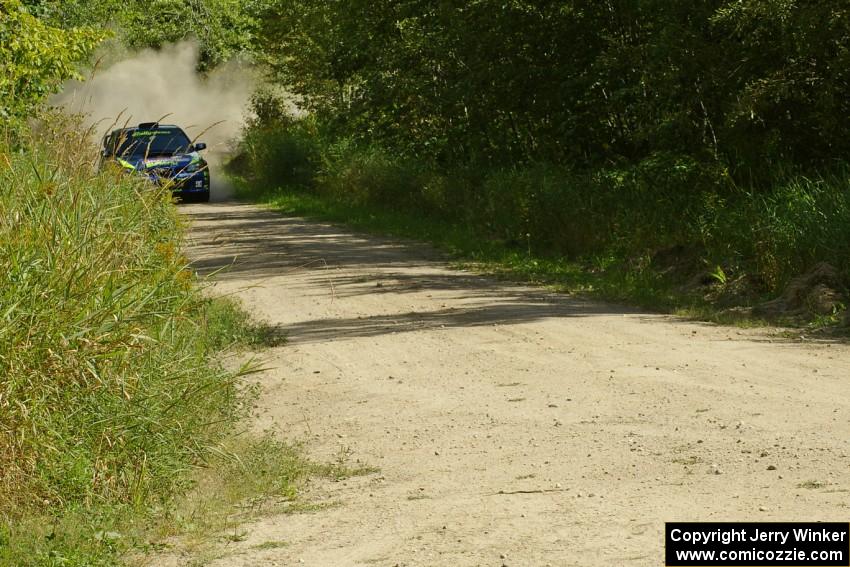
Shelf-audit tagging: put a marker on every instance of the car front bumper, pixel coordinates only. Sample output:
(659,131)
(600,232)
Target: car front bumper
(186,183)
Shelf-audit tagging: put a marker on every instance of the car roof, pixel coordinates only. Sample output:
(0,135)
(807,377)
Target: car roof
(146,127)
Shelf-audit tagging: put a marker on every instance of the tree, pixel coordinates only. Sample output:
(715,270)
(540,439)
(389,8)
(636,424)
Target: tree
(35,58)
(222,27)
(739,85)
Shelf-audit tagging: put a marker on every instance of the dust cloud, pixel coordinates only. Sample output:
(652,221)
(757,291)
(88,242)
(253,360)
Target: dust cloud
(164,85)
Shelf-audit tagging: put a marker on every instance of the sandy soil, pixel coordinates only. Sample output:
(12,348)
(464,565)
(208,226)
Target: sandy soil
(513,426)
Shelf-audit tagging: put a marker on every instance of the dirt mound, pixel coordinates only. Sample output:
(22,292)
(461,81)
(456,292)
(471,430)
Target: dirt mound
(818,292)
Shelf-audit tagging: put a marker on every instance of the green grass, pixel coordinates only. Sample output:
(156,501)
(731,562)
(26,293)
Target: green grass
(250,477)
(107,390)
(115,410)
(271,545)
(247,477)
(227,326)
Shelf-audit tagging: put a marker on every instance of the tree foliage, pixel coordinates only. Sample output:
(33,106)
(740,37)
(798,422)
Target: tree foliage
(36,58)
(223,28)
(743,84)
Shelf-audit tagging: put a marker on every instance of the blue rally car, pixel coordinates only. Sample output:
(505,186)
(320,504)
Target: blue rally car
(164,154)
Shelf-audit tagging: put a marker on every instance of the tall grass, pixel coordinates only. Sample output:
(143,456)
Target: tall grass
(107,391)
(778,234)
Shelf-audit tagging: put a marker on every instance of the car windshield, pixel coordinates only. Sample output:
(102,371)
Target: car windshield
(159,142)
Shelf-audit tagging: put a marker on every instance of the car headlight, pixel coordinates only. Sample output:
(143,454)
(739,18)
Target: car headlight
(196,167)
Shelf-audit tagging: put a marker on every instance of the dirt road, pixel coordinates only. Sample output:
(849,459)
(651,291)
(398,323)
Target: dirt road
(513,426)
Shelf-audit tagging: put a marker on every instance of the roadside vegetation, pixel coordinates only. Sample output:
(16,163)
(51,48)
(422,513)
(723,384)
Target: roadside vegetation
(114,396)
(626,234)
(123,404)
(682,156)
(686,157)
(222,28)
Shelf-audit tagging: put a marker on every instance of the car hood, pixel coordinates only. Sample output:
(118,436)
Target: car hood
(175,163)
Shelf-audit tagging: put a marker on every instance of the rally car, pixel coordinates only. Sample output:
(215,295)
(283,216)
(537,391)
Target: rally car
(163,154)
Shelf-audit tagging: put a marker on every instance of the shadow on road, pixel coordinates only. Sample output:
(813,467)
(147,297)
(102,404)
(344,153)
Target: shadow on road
(244,243)
(241,243)
(502,312)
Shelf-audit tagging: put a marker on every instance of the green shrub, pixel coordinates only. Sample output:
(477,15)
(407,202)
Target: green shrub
(622,212)
(277,148)
(106,390)
(372,176)
(785,232)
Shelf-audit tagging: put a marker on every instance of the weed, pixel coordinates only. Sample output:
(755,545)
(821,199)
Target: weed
(719,275)
(271,545)
(811,485)
(228,325)
(249,477)
(245,478)
(106,386)
(341,469)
